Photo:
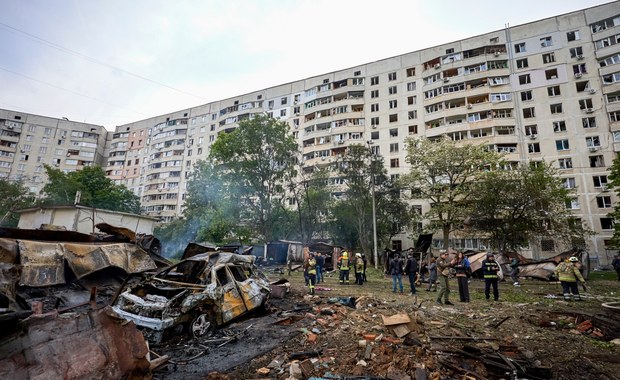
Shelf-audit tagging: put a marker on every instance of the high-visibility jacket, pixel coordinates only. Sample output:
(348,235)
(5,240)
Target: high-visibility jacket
(312,266)
(343,263)
(567,271)
(490,268)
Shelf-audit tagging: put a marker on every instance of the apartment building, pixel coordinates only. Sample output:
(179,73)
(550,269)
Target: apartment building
(547,90)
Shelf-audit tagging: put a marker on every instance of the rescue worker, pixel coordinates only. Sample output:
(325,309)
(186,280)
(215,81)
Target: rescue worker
(568,274)
(311,270)
(443,267)
(343,266)
(489,271)
(411,270)
(359,269)
(396,270)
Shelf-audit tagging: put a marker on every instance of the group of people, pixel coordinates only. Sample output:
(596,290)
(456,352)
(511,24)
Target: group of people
(313,270)
(397,267)
(358,265)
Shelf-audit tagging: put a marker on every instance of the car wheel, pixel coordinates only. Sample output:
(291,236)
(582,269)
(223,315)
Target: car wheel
(200,326)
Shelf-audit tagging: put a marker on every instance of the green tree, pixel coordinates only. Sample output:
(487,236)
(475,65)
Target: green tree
(313,200)
(96,190)
(515,206)
(13,196)
(614,184)
(444,172)
(251,167)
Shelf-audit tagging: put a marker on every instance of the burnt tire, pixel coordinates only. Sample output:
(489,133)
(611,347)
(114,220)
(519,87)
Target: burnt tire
(201,326)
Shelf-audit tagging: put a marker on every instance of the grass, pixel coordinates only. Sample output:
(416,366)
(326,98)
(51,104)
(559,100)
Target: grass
(603,276)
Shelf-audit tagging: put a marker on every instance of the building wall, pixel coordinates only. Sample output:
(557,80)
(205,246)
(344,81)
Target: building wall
(547,90)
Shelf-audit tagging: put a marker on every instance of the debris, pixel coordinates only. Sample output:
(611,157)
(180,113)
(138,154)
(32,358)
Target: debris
(396,319)
(305,355)
(263,371)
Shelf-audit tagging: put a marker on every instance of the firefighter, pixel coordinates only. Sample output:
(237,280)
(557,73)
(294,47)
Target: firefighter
(311,270)
(490,268)
(343,266)
(568,274)
(359,269)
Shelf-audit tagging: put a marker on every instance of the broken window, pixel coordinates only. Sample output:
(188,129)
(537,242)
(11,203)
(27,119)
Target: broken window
(222,277)
(522,63)
(585,104)
(551,74)
(612,60)
(548,58)
(593,142)
(394,133)
(413,129)
(565,163)
(559,126)
(600,181)
(572,35)
(526,95)
(556,108)
(529,112)
(524,79)
(531,130)
(596,161)
(603,202)
(533,148)
(394,163)
(553,91)
(589,122)
(546,41)
(570,183)
(607,223)
(393,118)
(576,52)
(520,47)
(411,71)
(562,144)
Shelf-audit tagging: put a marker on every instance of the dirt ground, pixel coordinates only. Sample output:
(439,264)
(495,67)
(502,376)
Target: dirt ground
(529,334)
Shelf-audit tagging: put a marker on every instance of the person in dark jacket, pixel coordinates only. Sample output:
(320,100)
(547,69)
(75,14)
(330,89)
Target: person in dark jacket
(462,268)
(432,275)
(490,270)
(396,270)
(616,265)
(320,264)
(411,270)
(365,264)
(514,271)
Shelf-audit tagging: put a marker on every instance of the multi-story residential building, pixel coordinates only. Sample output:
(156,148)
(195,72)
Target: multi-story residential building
(547,90)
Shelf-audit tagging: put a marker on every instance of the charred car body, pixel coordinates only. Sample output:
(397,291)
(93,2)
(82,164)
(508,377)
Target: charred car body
(199,292)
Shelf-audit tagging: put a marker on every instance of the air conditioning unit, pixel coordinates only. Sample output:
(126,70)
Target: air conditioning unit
(296,113)
(446,79)
(592,90)
(340,141)
(469,106)
(593,148)
(437,65)
(373,126)
(63,137)
(10,127)
(589,110)
(533,136)
(604,188)
(578,75)
(580,57)
(497,54)
(322,158)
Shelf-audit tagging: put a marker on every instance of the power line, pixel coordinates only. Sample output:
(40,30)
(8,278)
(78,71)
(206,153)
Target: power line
(70,91)
(93,60)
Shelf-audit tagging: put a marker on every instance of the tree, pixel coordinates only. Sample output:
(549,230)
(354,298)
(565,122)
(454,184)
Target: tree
(96,190)
(518,205)
(443,172)
(614,184)
(252,166)
(312,198)
(13,196)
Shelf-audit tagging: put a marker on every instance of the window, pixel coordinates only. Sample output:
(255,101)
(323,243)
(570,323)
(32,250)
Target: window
(522,63)
(374,135)
(562,144)
(531,130)
(411,86)
(570,183)
(565,163)
(393,133)
(585,104)
(593,142)
(391,76)
(393,104)
(524,79)
(392,90)
(572,36)
(533,148)
(394,163)
(270,104)
(411,100)
(548,58)
(589,122)
(357,73)
(374,94)
(607,223)
(604,24)
(579,69)
(520,47)
(394,148)
(411,71)
(374,121)
(414,115)
(596,161)
(393,118)
(614,116)
(603,202)
(526,95)
(551,74)
(556,108)
(413,129)
(43,150)
(546,42)
(529,112)
(576,52)
(612,60)
(374,81)
(283,101)
(282,112)
(559,126)
(572,204)
(553,91)
(374,107)
(600,181)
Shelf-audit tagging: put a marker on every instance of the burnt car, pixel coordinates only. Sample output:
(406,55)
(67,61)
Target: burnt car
(199,293)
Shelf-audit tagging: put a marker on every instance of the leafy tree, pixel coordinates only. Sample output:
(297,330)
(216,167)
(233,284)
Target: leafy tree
(13,196)
(527,202)
(313,201)
(96,190)
(444,173)
(249,169)
(614,184)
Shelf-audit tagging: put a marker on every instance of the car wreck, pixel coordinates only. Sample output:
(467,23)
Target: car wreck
(199,293)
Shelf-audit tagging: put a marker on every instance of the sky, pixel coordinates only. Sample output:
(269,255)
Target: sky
(113,62)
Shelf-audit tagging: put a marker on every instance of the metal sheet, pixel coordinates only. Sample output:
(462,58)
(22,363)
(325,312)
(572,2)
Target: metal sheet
(85,259)
(42,263)
(8,251)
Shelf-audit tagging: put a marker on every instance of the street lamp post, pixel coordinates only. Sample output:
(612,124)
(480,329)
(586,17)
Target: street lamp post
(374,212)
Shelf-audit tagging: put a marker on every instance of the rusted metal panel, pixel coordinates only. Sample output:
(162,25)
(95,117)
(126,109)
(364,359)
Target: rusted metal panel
(42,263)
(9,251)
(85,259)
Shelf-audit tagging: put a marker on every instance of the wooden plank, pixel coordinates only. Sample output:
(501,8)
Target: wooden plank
(397,319)
(401,330)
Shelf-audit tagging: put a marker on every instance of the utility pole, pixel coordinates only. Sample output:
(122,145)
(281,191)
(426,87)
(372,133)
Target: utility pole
(374,212)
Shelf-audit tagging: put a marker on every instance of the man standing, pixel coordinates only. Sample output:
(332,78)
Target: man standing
(443,267)
(568,274)
(432,275)
(311,270)
(489,270)
(396,270)
(320,263)
(411,270)
(359,269)
(616,265)
(343,267)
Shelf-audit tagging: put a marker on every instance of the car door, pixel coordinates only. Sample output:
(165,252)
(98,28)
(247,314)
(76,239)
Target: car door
(231,304)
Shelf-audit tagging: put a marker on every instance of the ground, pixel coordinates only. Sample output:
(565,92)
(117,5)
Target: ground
(530,333)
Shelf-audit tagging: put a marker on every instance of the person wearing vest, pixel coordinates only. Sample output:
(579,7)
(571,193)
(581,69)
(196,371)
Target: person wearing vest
(489,271)
(462,267)
(343,267)
(411,270)
(359,269)
(443,267)
(396,270)
(568,274)
(311,270)
(320,264)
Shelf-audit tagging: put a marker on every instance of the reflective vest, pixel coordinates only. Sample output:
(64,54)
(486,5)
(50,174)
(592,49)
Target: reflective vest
(490,269)
(567,271)
(312,266)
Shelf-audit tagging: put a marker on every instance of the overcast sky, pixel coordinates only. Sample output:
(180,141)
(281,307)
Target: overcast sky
(112,62)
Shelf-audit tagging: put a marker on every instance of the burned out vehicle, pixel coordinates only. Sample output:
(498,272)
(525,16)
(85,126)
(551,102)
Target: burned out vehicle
(198,293)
